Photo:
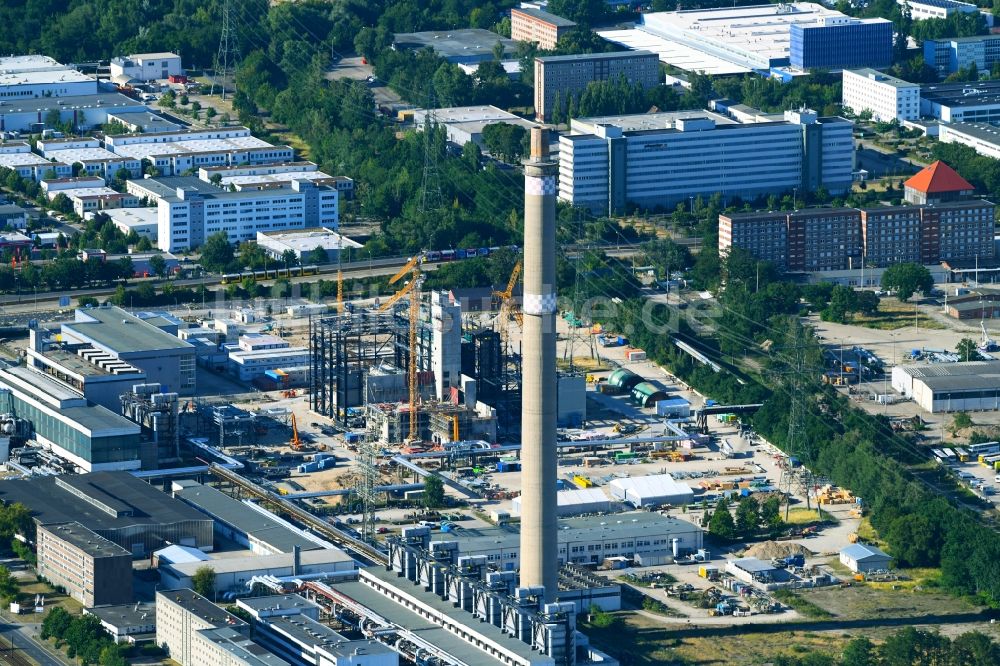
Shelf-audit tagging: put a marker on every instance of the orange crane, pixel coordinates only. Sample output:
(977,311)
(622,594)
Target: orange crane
(411,288)
(296,442)
(508,308)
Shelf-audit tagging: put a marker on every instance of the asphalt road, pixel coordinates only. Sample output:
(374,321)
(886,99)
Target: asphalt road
(26,643)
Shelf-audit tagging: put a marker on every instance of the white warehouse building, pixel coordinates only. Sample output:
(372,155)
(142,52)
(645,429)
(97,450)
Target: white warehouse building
(648,538)
(147,66)
(31,76)
(886,97)
(950,387)
(575,502)
(650,491)
(18,157)
(693,155)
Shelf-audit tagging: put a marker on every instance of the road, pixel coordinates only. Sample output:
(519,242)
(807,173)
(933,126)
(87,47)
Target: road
(27,643)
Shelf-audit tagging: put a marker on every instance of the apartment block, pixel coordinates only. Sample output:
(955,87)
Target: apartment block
(886,97)
(570,75)
(764,235)
(540,27)
(92,569)
(180,615)
(700,154)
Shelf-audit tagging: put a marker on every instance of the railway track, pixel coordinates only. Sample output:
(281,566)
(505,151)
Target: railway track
(363,551)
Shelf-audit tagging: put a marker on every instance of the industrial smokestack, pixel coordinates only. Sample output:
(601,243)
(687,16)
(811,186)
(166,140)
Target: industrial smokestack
(539,549)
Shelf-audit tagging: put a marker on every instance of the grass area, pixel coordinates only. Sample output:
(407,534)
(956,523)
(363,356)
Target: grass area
(887,600)
(893,315)
(27,592)
(802,606)
(801,516)
(868,534)
(582,363)
(642,641)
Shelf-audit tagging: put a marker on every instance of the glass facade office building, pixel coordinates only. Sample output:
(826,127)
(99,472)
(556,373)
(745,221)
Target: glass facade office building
(842,45)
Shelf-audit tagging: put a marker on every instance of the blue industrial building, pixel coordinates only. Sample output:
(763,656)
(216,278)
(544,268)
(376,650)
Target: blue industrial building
(841,45)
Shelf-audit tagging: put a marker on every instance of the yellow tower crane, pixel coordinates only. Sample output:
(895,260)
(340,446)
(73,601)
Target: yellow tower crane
(411,288)
(508,308)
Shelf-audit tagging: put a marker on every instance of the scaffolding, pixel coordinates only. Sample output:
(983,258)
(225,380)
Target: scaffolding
(343,351)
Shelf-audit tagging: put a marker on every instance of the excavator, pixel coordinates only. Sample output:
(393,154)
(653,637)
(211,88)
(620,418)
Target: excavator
(296,442)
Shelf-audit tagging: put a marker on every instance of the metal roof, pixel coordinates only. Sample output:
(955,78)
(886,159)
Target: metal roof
(198,605)
(124,616)
(859,552)
(88,541)
(753,565)
(243,650)
(653,486)
(238,515)
(135,501)
(226,565)
(117,330)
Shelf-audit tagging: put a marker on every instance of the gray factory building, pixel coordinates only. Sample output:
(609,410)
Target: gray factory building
(114,505)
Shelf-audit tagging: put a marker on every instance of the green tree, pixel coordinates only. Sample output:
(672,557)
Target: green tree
(289,258)
(203,581)
(505,141)
(747,516)
(721,524)
(8,585)
(960,421)
(158,265)
(907,279)
(967,350)
(217,252)
(433,492)
(317,256)
(770,513)
(56,623)
(858,652)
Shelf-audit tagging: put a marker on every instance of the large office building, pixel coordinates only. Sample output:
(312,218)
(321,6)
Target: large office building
(115,505)
(166,359)
(839,42)
(885,97)
(939,223)
(539,27)
(264,176)
(40,76)
(768,39)
(88,435)
(694,155)
(562,76)
(147,67)
(950,54)
(961,102)
(174,153)
(189,210)
(92,569)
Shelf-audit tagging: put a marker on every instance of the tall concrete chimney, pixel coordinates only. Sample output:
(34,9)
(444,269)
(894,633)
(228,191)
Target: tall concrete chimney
(539,548)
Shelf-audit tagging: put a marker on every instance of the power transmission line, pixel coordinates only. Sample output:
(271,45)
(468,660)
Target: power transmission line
(229,50)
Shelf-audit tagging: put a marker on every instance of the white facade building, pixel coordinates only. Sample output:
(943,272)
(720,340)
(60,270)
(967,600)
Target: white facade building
(886,97)
(143,221)
(981,137)
(18,157)
(950,387)
(174,153)
(190,210)
(611,169)
(96,161)
(938,9)
(40,76)
(147,66)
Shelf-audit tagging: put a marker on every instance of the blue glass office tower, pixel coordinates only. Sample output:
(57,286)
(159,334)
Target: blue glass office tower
(846,45)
